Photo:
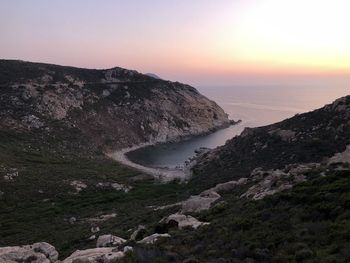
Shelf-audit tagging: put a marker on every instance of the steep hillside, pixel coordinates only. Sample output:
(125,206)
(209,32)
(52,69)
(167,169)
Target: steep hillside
(305,138)
(112,108)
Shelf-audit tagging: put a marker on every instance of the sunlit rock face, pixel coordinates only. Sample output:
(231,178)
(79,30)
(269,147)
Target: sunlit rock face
(113,108)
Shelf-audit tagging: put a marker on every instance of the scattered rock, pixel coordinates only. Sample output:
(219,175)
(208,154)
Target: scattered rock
(72,220)
(106,93)
(94,229)
(78,185)
(32,121)
(102,218)
(11,174)
(116,186)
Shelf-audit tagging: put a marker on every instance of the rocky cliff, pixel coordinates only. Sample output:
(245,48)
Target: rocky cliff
(112,109)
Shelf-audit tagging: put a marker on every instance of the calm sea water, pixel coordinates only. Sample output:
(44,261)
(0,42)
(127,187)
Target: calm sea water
(255,106)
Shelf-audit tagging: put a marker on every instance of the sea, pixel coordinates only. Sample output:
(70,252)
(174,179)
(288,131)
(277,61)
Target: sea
(255,106)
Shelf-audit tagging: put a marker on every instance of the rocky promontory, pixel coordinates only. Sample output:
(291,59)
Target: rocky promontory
(111,109)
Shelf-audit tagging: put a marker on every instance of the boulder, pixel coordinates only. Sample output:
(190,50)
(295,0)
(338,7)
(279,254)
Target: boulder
(183,221)
(109,241)
(200,202)
(153,238)
(48,250)
(95,255)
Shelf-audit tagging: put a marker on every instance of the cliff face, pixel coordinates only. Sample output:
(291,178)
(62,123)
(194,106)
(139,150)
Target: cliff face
(112,109)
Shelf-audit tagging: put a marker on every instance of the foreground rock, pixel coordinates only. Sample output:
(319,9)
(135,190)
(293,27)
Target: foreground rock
(205,199)
(37,253)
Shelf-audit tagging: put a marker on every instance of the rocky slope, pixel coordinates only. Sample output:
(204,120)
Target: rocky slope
(112,109)
(305,138)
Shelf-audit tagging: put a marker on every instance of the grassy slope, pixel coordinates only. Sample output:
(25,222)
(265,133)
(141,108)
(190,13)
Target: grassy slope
(28,216)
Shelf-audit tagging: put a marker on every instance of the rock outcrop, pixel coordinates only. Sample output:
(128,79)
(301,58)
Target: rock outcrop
(37,253)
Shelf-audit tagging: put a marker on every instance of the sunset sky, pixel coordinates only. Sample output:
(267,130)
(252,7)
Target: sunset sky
(195,41)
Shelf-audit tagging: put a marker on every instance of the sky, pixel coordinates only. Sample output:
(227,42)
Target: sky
(201,42)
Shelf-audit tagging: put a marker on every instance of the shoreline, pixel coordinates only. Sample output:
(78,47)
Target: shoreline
(162,174)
